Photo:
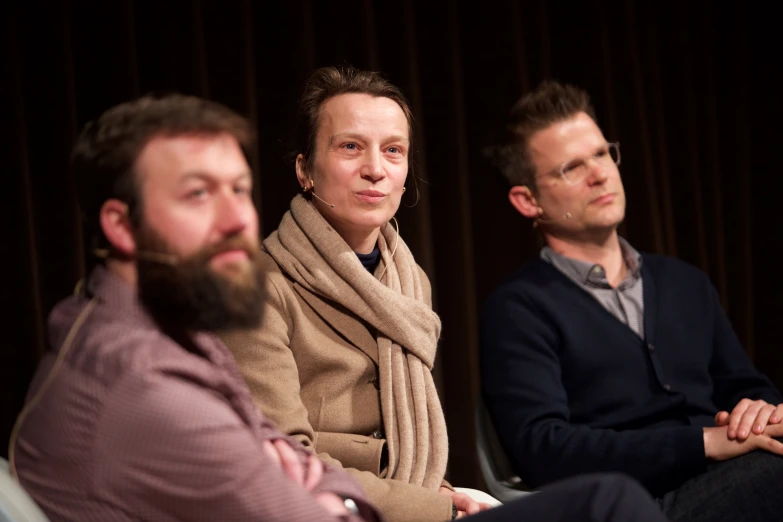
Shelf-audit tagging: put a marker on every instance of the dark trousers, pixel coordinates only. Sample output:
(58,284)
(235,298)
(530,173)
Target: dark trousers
(748,488)
(604,497)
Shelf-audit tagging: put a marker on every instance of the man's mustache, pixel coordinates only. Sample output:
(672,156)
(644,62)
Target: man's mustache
(228,245)
(204,255)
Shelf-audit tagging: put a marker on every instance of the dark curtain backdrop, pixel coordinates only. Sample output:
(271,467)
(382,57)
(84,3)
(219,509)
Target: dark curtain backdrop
(688,88)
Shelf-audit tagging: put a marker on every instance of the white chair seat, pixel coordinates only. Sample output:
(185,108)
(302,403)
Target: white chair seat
(15,504)
(480,496)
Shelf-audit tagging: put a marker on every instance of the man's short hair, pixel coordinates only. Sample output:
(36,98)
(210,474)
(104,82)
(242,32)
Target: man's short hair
(551,102)
(105,153)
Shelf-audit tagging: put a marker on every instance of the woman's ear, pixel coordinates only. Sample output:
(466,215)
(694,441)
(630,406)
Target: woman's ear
(301,175)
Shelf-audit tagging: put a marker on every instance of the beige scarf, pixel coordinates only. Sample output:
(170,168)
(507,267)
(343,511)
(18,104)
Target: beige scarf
(312,253)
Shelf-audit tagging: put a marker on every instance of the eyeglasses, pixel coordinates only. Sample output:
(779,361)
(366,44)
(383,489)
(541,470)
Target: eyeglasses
(576,170)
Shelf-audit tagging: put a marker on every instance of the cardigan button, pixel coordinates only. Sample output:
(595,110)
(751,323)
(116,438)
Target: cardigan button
(377,434)
(650,347)
(667,387)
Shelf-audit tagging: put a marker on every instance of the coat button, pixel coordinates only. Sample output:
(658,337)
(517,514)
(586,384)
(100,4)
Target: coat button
(650,347)
(377,434)
(667,387)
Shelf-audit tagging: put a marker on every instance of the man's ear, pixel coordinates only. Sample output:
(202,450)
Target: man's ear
(523,200)
(117,227)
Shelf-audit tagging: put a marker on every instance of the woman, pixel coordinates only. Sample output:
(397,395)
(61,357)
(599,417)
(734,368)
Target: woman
(343,358)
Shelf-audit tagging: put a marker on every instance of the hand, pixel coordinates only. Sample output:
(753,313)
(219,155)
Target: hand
(749,417)
(718,446)
(465,505)
(332,503)
(306,475)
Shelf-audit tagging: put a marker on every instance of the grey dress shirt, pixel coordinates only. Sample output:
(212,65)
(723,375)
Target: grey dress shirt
(626,302)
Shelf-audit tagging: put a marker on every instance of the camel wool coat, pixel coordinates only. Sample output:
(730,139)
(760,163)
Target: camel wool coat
(312,367)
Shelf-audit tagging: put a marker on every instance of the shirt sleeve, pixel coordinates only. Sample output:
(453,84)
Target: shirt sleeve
(733,374)
(169,448)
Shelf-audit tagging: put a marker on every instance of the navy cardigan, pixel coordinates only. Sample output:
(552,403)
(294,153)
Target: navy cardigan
(573,390)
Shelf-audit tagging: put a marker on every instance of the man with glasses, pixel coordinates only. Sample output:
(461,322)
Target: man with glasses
(598,358)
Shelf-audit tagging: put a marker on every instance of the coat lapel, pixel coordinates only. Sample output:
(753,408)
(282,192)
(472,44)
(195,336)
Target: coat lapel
(342,320)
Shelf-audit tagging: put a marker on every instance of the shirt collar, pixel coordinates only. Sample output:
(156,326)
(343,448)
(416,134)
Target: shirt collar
(583,271)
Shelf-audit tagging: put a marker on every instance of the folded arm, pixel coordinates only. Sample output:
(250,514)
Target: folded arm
(174,449)
(747,398)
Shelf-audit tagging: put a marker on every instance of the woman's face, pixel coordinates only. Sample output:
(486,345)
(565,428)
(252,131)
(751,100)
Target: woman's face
(361,162)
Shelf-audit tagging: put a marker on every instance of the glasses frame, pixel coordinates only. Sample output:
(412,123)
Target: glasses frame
(560,171)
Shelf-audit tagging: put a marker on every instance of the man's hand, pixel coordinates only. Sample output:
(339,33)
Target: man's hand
(718,446)
(305,475)
(464,504)
(332,503)
(749,417)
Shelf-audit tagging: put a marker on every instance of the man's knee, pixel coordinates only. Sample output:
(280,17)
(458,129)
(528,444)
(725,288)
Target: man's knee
(594,497)
(615,482)
(625,483)
(619,493)
(760,465)
(776,465)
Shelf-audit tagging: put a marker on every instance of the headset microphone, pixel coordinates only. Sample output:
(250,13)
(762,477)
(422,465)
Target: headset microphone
(539,219)
(155,257)
(321,200)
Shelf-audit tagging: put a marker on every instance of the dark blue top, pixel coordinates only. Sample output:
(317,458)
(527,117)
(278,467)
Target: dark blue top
(370,261)
(571,389)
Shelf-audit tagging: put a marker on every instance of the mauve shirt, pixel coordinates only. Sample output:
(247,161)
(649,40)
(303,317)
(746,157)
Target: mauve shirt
(135,426)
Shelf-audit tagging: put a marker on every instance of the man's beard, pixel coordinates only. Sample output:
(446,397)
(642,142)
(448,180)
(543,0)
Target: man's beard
(190,294)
